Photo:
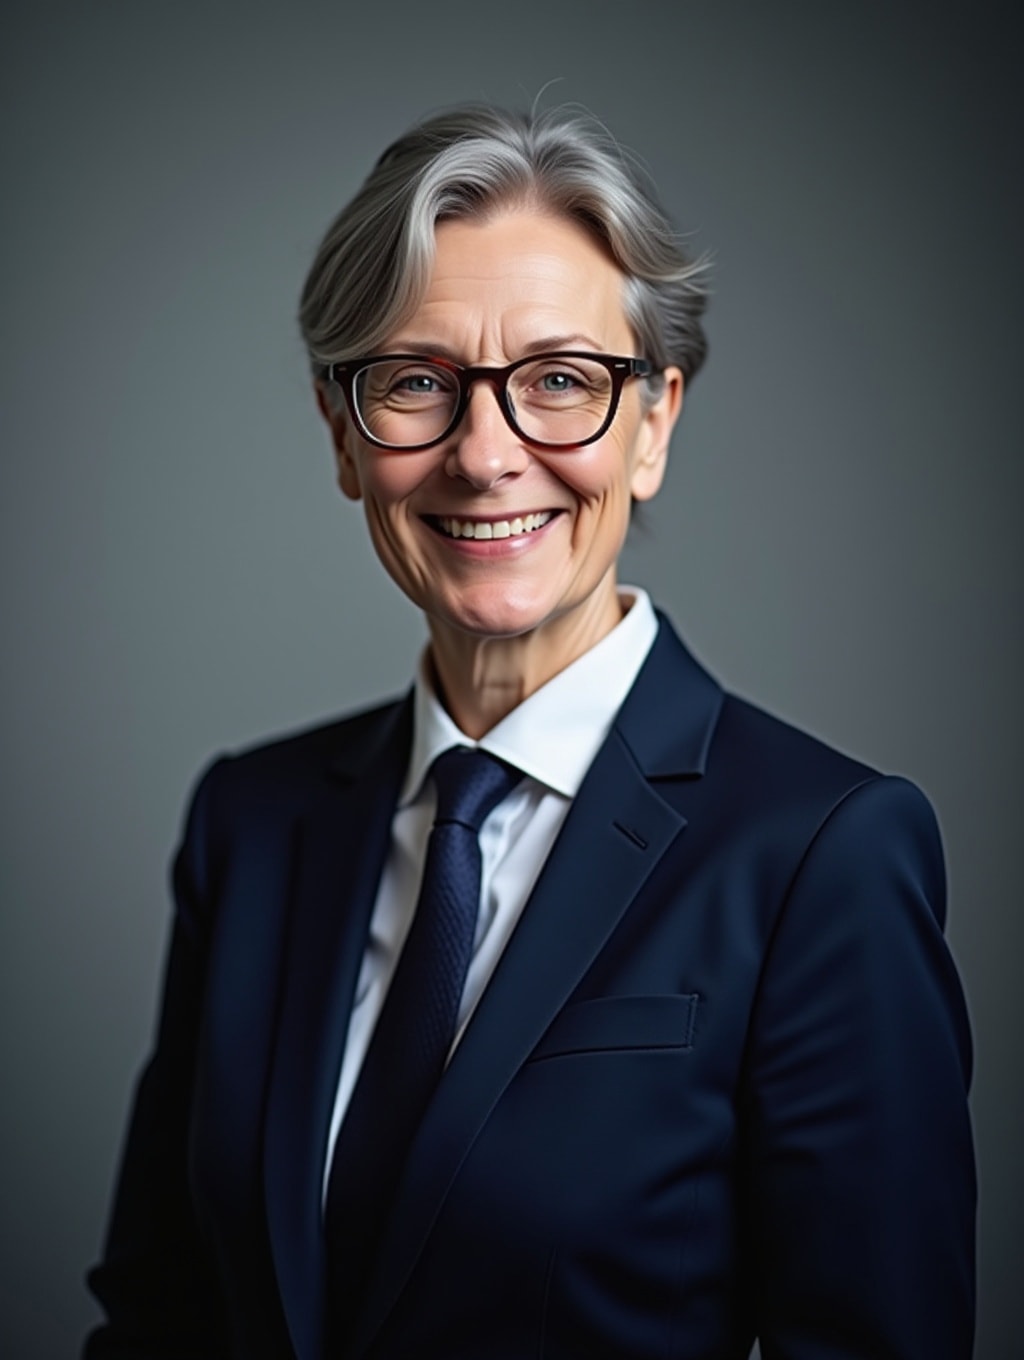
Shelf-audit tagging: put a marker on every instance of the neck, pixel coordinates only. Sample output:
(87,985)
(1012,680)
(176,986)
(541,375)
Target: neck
(480,680)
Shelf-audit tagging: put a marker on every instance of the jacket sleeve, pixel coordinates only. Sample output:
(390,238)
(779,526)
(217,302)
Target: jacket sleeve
(857,1157)
(156,1281)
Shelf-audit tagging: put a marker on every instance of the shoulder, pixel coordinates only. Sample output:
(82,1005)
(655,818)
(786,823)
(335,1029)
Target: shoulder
(845,812)
(769,743)
(786,767)
(245,807)
(781,805)
(293,760)
(267,787)
(742,758)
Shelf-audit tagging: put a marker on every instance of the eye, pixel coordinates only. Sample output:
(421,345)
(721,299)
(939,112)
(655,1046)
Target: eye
(403,383)
(418,384)
(560,381)
(557,380)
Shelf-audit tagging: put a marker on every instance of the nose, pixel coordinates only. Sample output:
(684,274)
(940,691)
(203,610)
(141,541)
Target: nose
(483,449)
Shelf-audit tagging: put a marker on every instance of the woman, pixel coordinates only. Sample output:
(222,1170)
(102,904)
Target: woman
(656,1050)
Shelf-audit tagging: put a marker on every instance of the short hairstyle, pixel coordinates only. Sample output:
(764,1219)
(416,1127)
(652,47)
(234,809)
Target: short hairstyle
(373,266)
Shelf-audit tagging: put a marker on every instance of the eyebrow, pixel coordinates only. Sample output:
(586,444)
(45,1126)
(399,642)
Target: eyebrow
(545,345)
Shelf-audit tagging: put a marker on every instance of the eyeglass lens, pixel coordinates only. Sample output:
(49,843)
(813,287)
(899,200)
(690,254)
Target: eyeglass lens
(554,400)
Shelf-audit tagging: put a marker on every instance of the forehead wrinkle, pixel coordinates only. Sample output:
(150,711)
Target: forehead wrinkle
(512,326)
(501,286)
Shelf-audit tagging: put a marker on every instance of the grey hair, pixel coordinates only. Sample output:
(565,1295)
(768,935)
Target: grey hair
(373,266)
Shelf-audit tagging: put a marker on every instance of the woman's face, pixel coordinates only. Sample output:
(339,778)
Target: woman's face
(502,288)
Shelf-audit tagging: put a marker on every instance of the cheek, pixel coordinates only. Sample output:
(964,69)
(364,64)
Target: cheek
(599,473)
(389,481)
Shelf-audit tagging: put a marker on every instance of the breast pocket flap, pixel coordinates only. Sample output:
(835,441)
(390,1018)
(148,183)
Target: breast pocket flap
(608,1023)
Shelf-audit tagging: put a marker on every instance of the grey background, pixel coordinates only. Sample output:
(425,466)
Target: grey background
(839,538)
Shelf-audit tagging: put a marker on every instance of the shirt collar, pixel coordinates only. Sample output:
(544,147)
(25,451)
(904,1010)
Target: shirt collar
(554,735)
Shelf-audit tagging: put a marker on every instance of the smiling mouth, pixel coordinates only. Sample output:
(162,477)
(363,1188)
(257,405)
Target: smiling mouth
(490,528)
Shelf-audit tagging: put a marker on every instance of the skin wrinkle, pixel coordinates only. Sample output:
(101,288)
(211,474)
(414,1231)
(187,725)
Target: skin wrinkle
(507,616)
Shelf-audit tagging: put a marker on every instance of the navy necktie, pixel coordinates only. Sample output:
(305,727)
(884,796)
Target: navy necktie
(415,1030)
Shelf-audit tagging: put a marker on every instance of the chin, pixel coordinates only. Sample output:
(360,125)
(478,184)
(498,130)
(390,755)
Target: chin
(488,613)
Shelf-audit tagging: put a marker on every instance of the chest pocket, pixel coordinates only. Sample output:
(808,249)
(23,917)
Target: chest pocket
(620,1023)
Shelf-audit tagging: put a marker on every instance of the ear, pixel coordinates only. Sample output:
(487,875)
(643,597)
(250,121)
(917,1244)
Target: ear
(651,454)
(342,437)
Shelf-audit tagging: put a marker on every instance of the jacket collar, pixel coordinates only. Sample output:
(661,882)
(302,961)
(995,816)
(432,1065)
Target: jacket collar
(338,856)
(669,717)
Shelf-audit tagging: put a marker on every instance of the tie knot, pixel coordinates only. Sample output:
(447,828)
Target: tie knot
(470,784)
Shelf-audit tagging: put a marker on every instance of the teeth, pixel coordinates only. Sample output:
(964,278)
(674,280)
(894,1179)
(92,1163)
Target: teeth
(501,528)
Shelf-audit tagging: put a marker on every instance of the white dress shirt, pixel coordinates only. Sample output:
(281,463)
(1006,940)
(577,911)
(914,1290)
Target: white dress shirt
(553,737)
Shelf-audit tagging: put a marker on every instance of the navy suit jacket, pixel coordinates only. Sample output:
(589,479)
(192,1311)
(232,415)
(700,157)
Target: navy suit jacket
(715,1089)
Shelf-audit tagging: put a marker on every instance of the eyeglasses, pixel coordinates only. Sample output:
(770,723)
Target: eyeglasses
(405,402)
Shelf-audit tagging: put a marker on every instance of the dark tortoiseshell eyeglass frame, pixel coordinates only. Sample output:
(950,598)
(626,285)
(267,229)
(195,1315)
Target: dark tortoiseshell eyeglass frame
(620,369)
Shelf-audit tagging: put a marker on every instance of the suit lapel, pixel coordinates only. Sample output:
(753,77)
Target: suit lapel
(339,852)
(617,830)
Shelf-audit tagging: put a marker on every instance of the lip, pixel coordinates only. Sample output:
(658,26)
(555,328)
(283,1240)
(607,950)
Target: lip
(513,531)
